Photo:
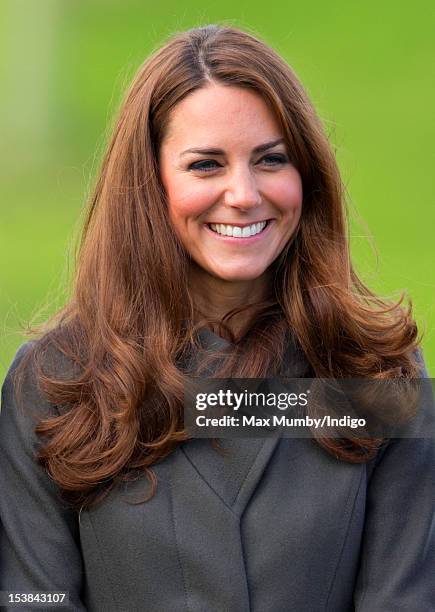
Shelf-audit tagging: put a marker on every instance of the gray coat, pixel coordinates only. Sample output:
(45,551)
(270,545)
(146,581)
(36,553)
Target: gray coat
(276,525)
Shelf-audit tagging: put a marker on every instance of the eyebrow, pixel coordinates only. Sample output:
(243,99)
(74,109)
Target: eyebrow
(259,149)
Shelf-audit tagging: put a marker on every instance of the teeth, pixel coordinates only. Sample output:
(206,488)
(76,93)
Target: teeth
(238,232)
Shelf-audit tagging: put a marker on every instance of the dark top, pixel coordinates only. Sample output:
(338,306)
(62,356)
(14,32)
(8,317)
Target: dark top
(276,525)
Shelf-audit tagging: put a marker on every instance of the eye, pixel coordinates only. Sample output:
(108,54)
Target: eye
(276,159)
(205,165)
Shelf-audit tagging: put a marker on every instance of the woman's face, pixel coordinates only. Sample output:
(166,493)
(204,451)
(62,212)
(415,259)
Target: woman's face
(234,198)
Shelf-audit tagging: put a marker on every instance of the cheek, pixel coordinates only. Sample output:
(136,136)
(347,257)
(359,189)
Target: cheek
(287,193)
(186,201)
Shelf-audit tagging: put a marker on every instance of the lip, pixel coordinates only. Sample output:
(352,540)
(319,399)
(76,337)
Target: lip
(237,224)
(241,241)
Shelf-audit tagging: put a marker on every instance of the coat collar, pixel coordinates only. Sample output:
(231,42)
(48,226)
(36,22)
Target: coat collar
(295,363)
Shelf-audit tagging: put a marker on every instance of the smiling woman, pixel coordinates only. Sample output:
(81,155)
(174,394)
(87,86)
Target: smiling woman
(215,244)
(235,200)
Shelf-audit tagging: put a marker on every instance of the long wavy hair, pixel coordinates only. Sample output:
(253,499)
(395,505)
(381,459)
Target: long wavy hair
(120,346)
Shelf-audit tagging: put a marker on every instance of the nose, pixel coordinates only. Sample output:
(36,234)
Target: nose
(242,190)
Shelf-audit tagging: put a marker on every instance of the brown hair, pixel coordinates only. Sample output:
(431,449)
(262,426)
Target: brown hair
(129,325)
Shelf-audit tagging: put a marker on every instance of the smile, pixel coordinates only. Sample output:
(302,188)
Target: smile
(235,231)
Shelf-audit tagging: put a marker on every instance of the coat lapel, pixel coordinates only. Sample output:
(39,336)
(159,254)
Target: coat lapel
(234,471)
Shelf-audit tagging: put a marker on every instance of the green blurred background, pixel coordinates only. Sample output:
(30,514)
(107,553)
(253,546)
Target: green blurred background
(65,64)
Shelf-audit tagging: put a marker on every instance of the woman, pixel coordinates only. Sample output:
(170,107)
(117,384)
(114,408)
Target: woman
(215,243)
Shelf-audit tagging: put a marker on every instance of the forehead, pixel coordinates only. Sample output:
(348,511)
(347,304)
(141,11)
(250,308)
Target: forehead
(219,114)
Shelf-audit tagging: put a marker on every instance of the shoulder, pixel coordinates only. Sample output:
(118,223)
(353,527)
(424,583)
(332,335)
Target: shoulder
(21,353)
(20,376)
(22,398)
(39,356)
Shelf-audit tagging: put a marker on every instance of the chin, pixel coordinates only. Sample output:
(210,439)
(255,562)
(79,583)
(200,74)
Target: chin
(238,275)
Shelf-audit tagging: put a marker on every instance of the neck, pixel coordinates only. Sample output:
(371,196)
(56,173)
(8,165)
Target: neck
(214,297)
